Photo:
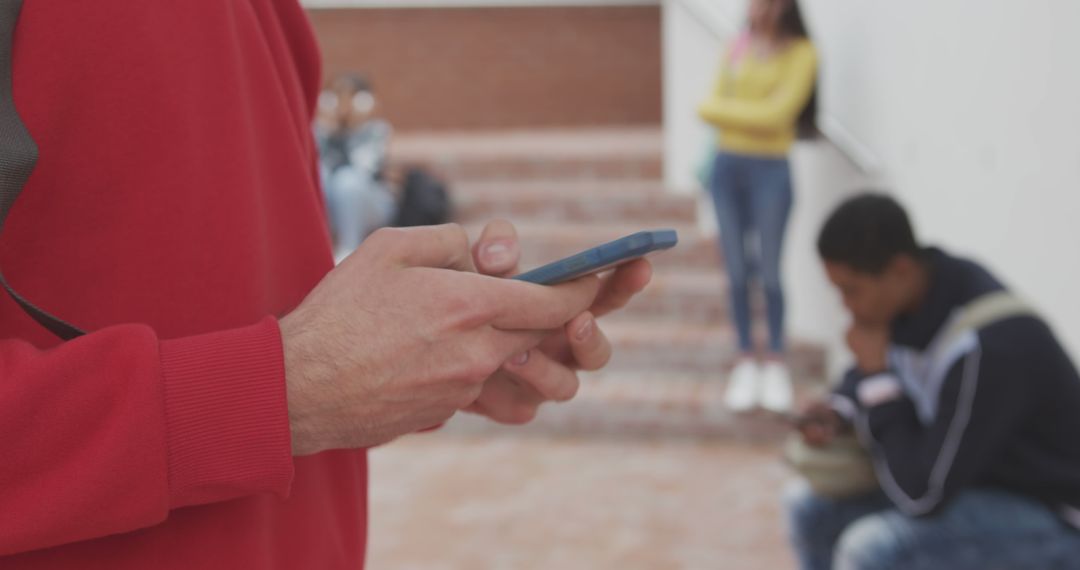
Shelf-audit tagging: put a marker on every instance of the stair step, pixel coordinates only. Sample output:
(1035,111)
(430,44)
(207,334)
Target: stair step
(642,189)
(614,168)
(602,153)
(543,243)
(654,404)
(698,297)
(677,347)
(691,297)
(569,202)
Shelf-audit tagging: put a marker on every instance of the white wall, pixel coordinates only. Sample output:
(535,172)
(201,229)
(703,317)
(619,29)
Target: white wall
(973,110)
(694,34)
(970,111)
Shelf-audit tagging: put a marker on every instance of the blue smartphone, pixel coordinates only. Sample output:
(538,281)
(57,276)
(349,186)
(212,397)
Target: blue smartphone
(602,257)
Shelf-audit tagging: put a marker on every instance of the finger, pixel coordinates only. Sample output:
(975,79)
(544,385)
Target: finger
(549,379)
(816,408)
(588,344)
(814,435)
(621,286)
(443,247)
(525,306)
(497,252)
(509,344)
(557,346)
(506,400)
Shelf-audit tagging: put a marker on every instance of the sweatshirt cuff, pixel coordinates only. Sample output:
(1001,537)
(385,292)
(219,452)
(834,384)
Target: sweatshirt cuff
(226,415)
(844,406)
(878,389)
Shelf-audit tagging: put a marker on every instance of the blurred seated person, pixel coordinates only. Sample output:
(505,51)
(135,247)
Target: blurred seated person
(353,148)
(967,404)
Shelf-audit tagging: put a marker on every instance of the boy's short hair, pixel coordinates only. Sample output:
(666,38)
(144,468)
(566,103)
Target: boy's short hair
(866,232)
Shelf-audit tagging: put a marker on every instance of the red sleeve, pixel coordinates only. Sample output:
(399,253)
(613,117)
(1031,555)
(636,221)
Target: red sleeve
(105,434)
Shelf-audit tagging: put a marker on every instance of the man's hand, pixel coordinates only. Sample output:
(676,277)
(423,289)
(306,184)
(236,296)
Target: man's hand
(819,424)
(869,345)
(403,334)
(548,373)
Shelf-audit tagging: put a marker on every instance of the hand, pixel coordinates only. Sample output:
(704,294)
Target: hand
(870,346)
(549,373)
(819,424)
(402,335)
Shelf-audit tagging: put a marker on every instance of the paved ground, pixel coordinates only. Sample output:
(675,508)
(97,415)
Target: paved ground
(505,500)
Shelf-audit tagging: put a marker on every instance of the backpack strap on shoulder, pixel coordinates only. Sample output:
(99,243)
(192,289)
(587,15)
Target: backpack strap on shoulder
(18,155)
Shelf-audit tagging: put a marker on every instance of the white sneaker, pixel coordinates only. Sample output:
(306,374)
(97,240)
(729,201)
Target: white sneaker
(742,389)
(776,394)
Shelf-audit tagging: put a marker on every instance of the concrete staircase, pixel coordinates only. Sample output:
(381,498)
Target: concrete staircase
(568,190)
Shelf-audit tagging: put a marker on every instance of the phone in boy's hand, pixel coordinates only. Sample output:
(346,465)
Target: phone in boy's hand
(602,257)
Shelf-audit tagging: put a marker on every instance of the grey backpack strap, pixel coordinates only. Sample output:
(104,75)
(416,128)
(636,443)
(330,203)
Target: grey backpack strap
(18,154)
(984,311)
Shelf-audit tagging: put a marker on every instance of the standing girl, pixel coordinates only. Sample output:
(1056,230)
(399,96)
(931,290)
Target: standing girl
(762,100)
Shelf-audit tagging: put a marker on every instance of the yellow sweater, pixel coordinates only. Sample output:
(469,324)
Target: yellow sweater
(756,103)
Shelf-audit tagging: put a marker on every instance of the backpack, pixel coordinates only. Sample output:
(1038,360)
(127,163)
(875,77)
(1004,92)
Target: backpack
(18,156)
(424,200)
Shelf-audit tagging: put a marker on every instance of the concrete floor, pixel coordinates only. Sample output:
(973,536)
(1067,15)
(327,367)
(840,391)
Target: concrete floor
(507,500)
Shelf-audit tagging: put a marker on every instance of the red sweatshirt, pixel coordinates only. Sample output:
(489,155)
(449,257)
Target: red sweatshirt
(174,212)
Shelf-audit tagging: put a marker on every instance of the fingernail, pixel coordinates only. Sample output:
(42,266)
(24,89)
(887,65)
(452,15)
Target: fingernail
(520,359)
(496,253)
(585,331)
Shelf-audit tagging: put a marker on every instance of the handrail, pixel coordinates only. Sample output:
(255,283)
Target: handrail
(712,15)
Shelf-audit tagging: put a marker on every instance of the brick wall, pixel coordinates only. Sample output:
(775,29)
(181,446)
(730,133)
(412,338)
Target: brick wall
(483,68)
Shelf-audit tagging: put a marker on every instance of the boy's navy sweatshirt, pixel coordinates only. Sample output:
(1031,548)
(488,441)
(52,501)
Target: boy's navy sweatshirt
(996,407)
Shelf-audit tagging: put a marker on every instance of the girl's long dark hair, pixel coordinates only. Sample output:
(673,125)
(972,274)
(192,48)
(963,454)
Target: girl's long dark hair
(791,26)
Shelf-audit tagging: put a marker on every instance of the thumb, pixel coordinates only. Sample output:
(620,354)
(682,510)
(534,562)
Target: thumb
(442,247)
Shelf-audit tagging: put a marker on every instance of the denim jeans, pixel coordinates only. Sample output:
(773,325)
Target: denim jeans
(357,202)
(977,530)
(357,205)
(753,199)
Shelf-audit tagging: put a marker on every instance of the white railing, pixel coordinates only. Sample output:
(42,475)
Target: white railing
(716,16)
